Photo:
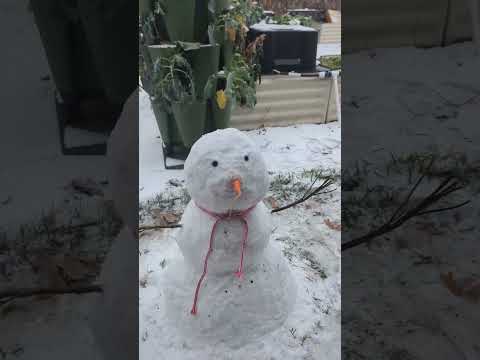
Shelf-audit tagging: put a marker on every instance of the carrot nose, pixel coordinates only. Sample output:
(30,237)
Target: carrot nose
(237,187)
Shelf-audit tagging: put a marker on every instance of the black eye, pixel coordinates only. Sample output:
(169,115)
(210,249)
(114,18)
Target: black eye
(215,163)
(246,157)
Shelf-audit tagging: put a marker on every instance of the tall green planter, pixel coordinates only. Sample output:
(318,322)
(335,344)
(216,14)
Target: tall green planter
(186,20)
(204,61)
(161,51)
(168,130)
(152,53)
(221,117)
(218,36)
(191,120)
(113,44)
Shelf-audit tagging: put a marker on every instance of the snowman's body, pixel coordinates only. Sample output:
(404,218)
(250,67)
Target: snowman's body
(227,244)
(233,310)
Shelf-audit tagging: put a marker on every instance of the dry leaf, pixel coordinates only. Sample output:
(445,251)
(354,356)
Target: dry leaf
(332,225)
(272,202)
(144,281)
(163,218)
(86,186)
(466,288)
(73,268)
(232,34)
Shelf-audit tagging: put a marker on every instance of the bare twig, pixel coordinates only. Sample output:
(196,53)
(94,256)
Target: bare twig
(445,188)
(22,293)
(308,194)
(156,227)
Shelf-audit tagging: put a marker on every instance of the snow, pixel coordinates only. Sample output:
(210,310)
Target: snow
(312,330)
(40,152)
(35,179)
(426,101)
(262,26)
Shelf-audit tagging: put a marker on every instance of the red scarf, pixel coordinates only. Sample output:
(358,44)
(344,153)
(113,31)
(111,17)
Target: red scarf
(219,217)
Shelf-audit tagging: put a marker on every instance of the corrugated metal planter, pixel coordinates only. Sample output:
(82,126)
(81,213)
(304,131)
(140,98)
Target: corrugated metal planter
(286,101)
(221,117)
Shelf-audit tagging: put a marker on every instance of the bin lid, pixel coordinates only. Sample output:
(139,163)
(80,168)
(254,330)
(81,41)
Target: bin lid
(275,27)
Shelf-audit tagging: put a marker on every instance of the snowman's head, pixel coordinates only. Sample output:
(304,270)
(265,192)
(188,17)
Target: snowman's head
(225,171)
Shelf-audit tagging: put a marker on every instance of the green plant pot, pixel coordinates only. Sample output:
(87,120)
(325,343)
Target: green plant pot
(221,118)
(186,20)
(156,52)
(190,119)
(201,21)
(161,51)
(226,46)
(180,19)
(204,61)
(169,132)
(146,77)
(227,53)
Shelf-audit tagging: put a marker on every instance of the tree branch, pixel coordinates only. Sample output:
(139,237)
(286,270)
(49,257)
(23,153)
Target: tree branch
(26,292)
(156,227)
(445,188)
(308,194)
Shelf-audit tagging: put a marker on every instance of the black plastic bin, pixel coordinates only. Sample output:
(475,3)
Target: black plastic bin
(287,47)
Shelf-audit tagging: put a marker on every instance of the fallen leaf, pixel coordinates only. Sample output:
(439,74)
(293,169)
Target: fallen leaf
(164,218)
(332,225)
(86,186)
(232,34)
(144,281)
(73,268)
(272,202)
(466,288)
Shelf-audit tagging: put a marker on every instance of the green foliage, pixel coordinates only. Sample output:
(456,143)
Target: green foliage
(331,62)
(243,82)
(292,20)
(173,80)
(150,25)
(252,13)
(236,21)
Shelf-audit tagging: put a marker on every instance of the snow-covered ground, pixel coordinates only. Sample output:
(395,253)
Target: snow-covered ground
(32,122)
(306,234)
(406,104)
(36,183)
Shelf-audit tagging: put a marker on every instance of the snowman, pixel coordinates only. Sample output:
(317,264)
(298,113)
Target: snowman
(231,286)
